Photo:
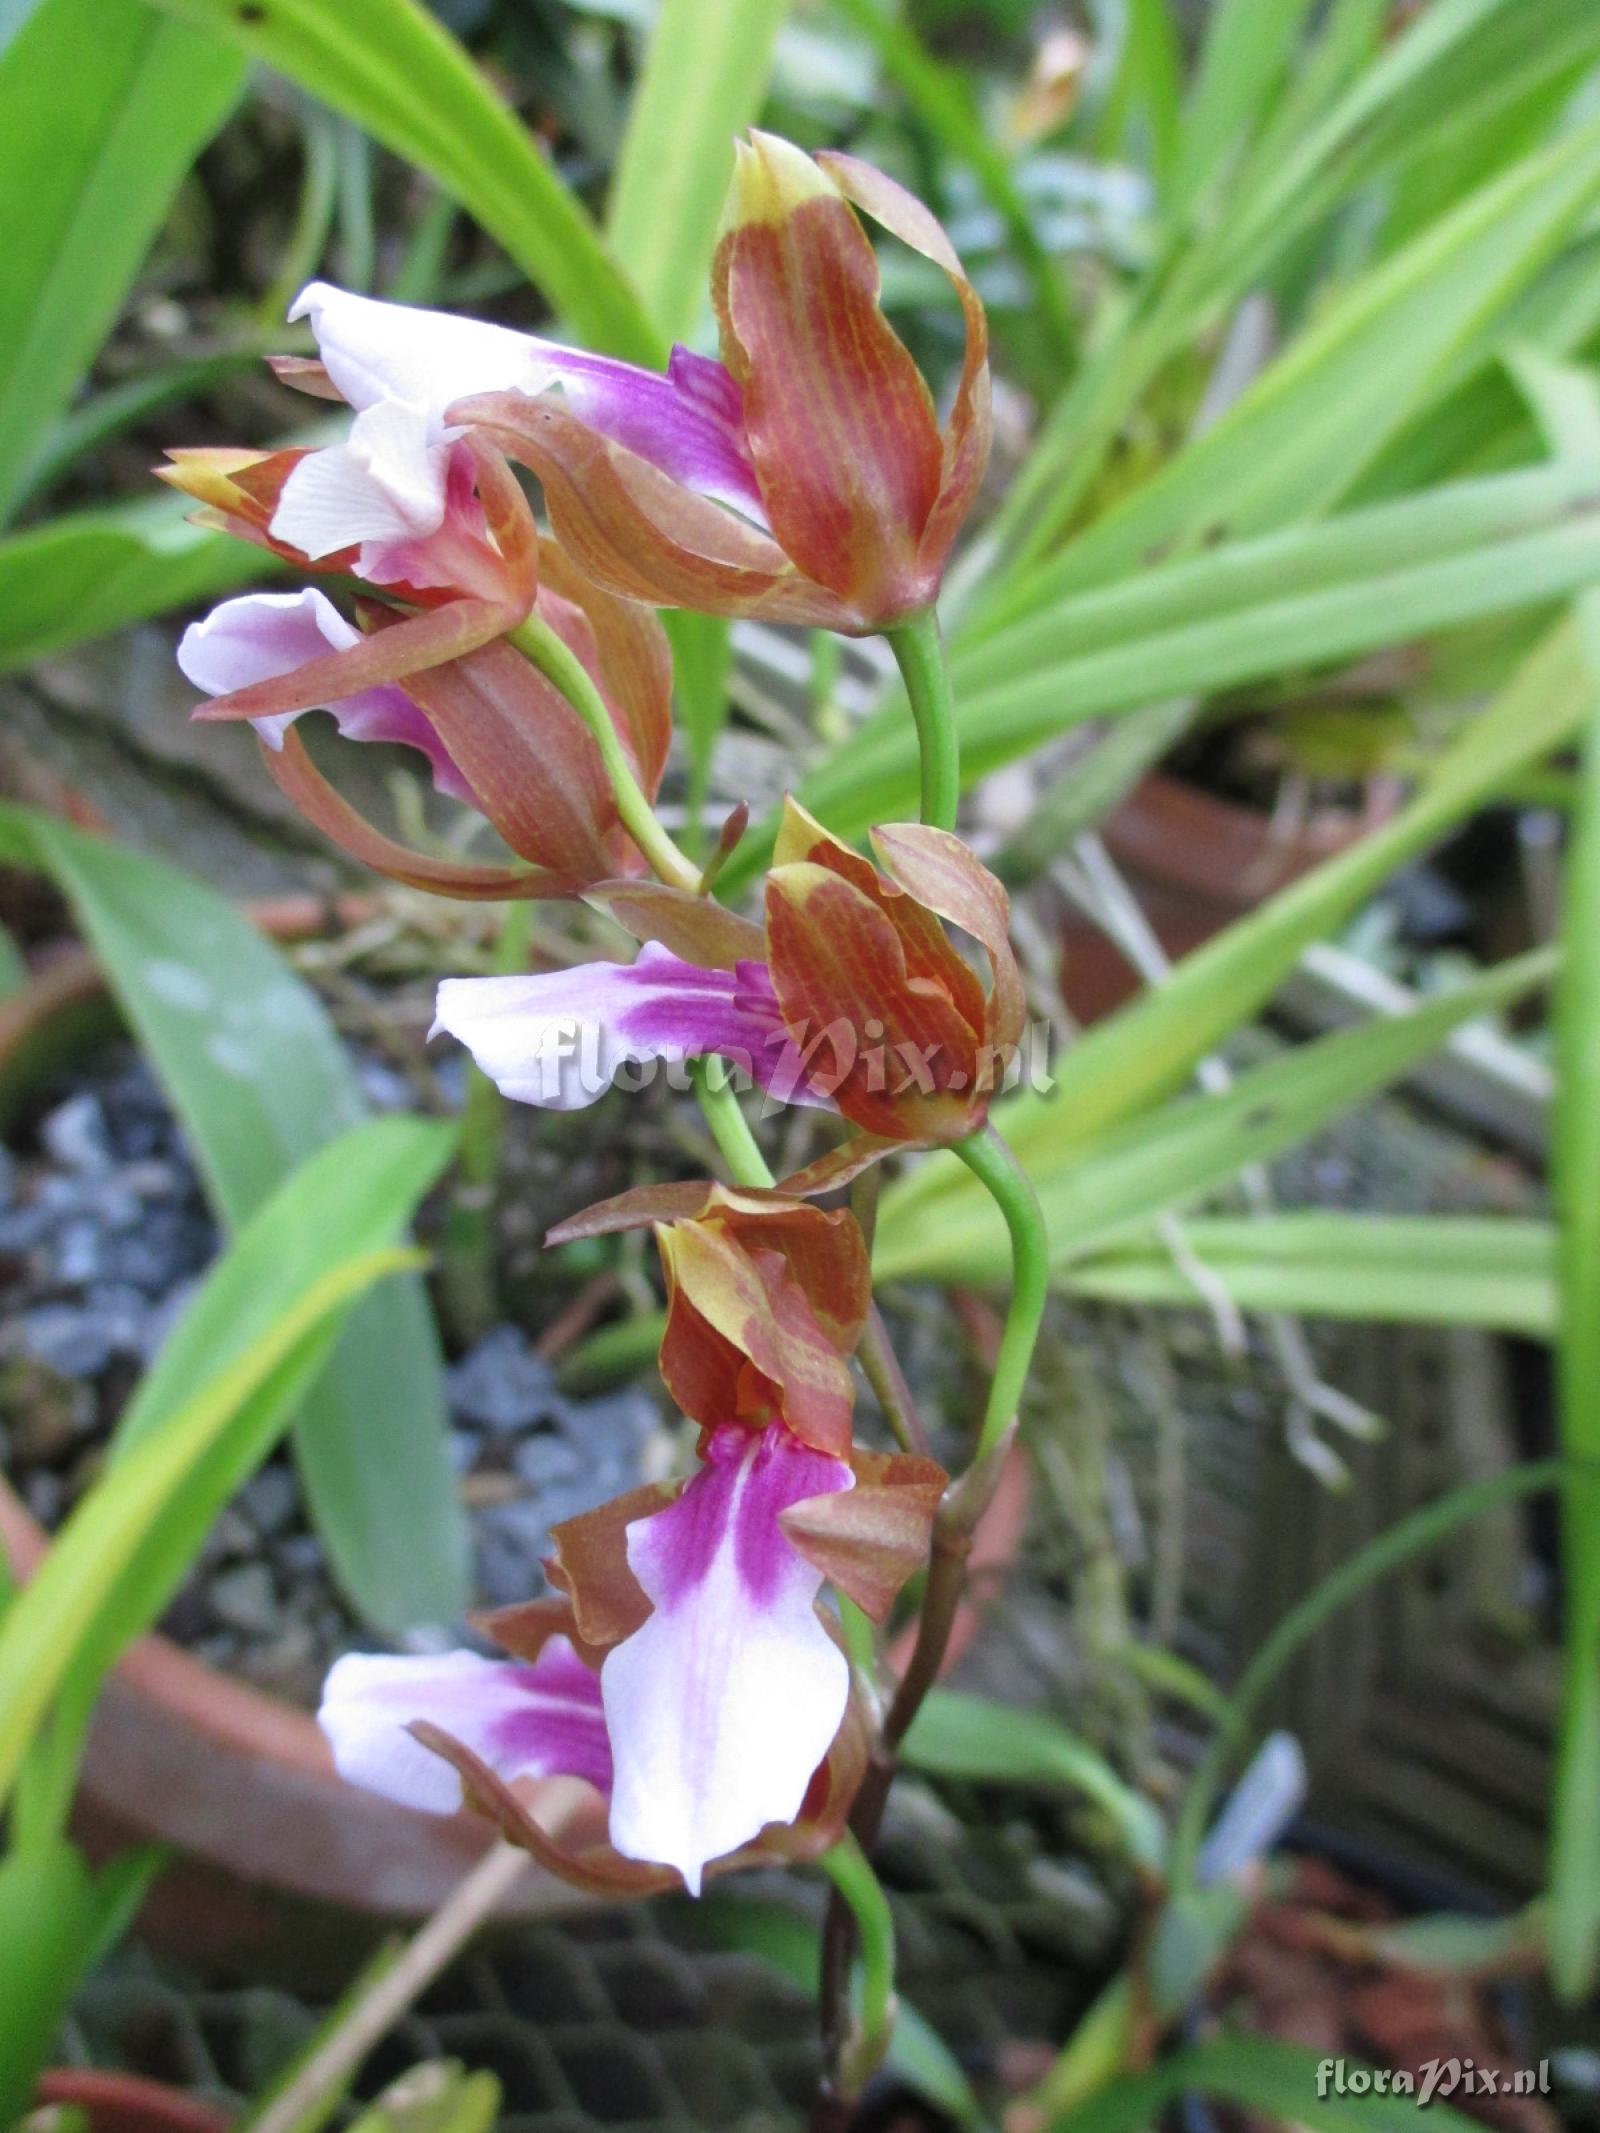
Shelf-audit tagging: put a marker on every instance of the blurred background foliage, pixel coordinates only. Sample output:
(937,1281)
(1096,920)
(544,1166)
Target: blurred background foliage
(1276,643)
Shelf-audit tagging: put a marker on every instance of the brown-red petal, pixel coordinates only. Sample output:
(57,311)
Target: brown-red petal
(300,781)
(839,420)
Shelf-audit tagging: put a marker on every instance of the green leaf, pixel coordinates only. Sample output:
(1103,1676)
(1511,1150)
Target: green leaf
(704,80)
(1167,1159)
(260,1078)
(1384,1269)
(48,1916)
(440,2097)
(1299,438)
(1264,2075)
(103,107)
(88,573)
(1148,1049)
(1254,610)
(1247,47)
(1417,1534)
(1575,1830)
(1567,405)
(960,1736)
(1144,96)
(394,70)
(1372,356)
(13,966)
(943,103)
(131,1538)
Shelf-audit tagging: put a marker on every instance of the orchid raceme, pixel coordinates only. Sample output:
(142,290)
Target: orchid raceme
(804,478)
(854,996)
(495,731)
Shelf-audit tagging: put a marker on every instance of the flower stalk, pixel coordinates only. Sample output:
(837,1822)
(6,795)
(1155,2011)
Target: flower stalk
(918,648)
(850,1871)
(995,1167)
(540,644)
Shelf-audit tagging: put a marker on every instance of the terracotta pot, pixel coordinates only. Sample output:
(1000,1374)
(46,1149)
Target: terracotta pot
(1196,862)
(277,1857)
(125,2103)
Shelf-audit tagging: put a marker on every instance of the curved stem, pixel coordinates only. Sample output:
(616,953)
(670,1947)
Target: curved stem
(993,1164)
(919,648)
(730,1129)
(539,643)
(847,1867)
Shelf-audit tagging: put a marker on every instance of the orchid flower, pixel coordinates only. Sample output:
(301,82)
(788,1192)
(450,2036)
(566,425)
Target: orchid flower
(804,477)
(472,573)
(495,732)
(853,995)
(684,1670)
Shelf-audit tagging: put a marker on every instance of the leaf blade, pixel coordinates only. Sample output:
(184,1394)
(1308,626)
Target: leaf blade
(103,107)
(256,1070)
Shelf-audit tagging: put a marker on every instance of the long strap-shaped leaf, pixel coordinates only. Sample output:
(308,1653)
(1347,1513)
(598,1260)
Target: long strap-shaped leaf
(103,107)
(1567,402)
(1151,1046)
(1199,626)
(87,573)
(398,73)
(1264,2075)
(255,1069)
(1154,1163)
(704,80)
(133,1537)
(1456,1270)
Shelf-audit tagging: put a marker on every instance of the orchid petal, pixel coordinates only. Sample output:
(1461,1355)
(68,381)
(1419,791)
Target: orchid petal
(722,1706)
(691,925)
(384,484)
(389,655)
(302,783)
(263,636)
(543,1720)
(941,873)
(840,420)
(642,535)
(560,1037)
(686,423)
(969,431)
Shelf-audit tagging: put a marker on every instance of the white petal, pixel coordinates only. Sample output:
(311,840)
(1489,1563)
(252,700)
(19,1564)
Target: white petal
(386,483)
(560,1038)
(722,1706)
(378,351)
(258,637)
(542,1720)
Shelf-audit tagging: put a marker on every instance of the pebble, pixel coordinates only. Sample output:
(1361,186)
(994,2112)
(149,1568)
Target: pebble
(502,1385)
(75,1134)
(546,1458)
(270,1500)
(68,1339)
(245,1599)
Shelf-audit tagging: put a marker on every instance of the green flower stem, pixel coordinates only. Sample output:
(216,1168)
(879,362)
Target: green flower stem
(994,1166)
(847,1867)
(730,1129)
(919,648)
(539,643)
